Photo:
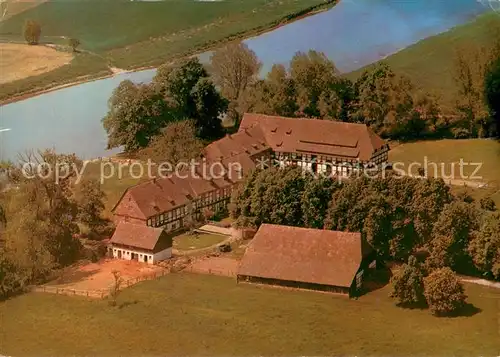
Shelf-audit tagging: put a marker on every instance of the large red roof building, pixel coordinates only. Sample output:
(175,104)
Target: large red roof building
(306,258)
(320,146)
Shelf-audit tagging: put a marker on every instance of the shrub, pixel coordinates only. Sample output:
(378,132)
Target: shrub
(444,292)
(408,283)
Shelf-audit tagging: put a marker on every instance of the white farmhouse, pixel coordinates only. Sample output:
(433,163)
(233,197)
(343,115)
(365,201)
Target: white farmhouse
(142,243)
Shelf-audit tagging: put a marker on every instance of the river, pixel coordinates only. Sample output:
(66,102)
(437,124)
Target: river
(353,33)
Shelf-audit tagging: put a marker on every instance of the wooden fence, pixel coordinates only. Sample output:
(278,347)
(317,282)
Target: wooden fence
(211,271)
(98,293)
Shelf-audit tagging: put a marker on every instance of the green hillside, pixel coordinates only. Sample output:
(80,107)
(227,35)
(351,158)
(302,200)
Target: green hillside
(430,62)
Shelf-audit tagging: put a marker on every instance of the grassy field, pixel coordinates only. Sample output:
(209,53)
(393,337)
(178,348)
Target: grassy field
(134,34)
(187,314)
(188,241)
(430,63)
(20,61)
(447,152)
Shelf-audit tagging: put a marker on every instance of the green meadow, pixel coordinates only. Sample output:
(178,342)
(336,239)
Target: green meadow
(188,314)
(134,34)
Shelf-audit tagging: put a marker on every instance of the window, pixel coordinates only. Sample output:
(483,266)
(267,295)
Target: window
(149,222)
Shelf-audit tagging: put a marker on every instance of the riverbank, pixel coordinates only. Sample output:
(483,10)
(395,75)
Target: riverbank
(195,41)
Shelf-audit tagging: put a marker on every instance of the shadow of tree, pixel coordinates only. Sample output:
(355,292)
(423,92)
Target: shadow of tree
(413,306)
(467,310)
(376,279)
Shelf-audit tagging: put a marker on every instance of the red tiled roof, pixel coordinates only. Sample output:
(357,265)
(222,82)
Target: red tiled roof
(156,196)
(249,142)
(303,255)
(136,235)
(325,137)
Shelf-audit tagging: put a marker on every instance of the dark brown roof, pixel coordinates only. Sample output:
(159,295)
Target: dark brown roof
(156,196)
(136,235)
(303,255)
(247,142)
(322,137)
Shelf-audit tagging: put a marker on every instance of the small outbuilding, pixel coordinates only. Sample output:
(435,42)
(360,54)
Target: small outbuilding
(142,243)
(306,258)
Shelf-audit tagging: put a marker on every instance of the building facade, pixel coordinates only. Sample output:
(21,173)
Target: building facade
(319,146)
(132,241)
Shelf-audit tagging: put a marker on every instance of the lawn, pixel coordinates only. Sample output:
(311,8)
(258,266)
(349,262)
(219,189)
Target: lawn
(447,152)
(188,241)
(430,63)
(131,34)
(188,314)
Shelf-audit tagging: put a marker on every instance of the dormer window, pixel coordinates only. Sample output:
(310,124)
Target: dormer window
(273,130)
(288,132)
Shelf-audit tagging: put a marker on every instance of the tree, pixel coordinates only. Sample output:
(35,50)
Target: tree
(136,114)
(234,68)
(315,200)
(484,247)
(74,43)
(276,95)
(338,100)
(32,32)
(177,143)
(311,72)
(471,64)
(209,105)
(451,235)
(389,103)
(189,93)
(492,92)
(90,199)
(114,291)
(408,283)
(444,292)
(46,203)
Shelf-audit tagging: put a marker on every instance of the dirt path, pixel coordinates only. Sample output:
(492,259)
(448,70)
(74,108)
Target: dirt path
(484,282)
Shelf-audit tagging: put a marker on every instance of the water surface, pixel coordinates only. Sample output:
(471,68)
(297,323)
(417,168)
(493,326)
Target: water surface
(353,33)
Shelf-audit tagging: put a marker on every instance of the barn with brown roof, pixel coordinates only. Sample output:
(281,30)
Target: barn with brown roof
(306,258)
(138,242)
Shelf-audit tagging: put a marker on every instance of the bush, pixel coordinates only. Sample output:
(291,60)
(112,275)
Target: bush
(408,283)
(444,292)
(460,133)
(74,43)
(487,204)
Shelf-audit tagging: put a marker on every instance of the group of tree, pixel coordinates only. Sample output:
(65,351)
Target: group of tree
(398,216)
(42,217)
(312,87)
(440,289)
(287,197)
(477,77)
(139,113)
